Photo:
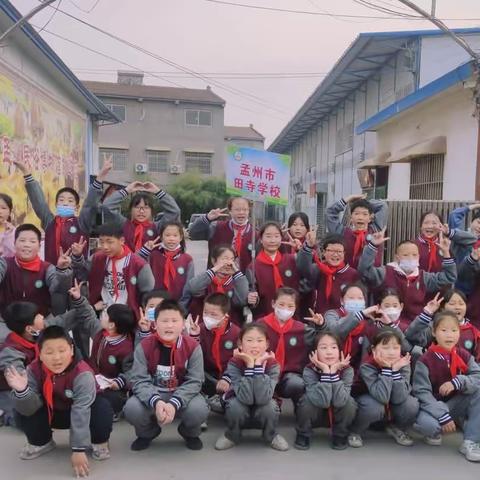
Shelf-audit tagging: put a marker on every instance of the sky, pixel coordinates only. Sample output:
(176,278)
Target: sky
(232,47)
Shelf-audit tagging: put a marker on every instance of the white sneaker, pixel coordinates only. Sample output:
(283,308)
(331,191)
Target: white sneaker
(100,451)
(355,440)
(29,452)
(401,437)
(279,443)
(471,450)
(435,441)
(224,443)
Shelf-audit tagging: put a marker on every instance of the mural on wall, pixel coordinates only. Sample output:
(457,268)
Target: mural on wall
(43,135)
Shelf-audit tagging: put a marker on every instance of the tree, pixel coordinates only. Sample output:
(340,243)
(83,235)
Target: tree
(195,194)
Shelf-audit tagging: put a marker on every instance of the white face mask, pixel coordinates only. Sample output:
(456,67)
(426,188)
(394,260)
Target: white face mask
(392,313)
(210,322)
(150,314)
(353,306)
(408,266)
(283,314)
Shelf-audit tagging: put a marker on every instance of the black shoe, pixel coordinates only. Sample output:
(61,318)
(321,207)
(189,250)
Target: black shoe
(140,444)
(302,442)
(339,443)
(192,443)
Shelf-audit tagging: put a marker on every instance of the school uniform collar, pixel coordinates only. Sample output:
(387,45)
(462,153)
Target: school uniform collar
(115,340)
(247,226)
(397,268)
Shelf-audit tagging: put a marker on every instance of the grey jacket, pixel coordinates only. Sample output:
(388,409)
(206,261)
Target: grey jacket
(422,389)
(252,386)
(387,386)
(335,224)
(375,276)
(419,332)
(88,212)
(328,390)
(143,384)
(84,392)
(111,207)
(202,229)
(469,270)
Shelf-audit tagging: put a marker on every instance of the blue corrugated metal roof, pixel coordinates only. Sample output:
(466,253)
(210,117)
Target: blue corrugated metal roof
(367,53)
(96,106)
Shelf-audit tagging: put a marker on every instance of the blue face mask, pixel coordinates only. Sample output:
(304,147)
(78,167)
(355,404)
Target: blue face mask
(150,314)
(65,211)
(353,306)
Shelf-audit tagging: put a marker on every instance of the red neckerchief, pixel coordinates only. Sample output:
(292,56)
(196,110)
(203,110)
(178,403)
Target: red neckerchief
(48,391)
(220,284)
(432,251)
(456,361)
(24,342)
(30,265)
(59,223)
(360,240)
(169,272)
(267,260)
(139,232)
(237,245)
(468,326)
(218,332)
(281,329)
(347,346)
(329,272)
(172,382)
(126,251)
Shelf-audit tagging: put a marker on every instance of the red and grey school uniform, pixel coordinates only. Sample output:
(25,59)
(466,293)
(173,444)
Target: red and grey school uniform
(225,232)
(432,370)
(116,280)
(355,240)
(269,276)
(64,401)
(34,281)
(249,402)
(469,273)
(171,270)
(383,393)
(413,289)
(327,402)
(62,232)
(217,347)
(291,342)
(173,374)
(234,286)
(327,281)
(138,233)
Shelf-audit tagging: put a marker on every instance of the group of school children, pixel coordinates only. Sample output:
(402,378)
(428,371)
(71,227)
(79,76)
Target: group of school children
(132,331)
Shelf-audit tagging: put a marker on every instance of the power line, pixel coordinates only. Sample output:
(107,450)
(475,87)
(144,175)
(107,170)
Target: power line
(89,10)
(51,18)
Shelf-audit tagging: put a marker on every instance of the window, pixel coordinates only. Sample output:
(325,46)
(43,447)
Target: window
(200,162)
(344,139)
(157,161)
(426,177)
(119,158)
(119,110)
(199,118)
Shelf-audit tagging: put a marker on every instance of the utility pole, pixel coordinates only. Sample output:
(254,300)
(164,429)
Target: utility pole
(25,18)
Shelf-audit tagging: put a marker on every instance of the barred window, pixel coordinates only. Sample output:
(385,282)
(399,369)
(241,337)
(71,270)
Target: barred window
(202,118)
(119,157)
(198,161)
(119,110)
(426,177)
(157,161)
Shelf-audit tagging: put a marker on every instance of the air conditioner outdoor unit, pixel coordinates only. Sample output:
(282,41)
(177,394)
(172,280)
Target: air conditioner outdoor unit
(176,169)
(141,168)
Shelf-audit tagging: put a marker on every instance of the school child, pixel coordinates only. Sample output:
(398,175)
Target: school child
(141,227)
(172,267)
(383,391)
(428,241)
(420,330)
(366,217)
(249,403)
(7,230)
(64,227)
(327,276)
(114,274)
(166,378)
(236,232)
(218,338)
(59,392)
(26,277)
(468,273)
(146,314)
(223,277)
(298,226)
(446,382)
(327,401)
(25,323)
(270,271)
(291,341)
(413,284)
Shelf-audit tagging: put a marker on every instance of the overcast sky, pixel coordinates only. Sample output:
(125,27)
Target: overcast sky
(227,41)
